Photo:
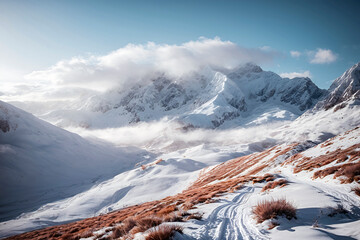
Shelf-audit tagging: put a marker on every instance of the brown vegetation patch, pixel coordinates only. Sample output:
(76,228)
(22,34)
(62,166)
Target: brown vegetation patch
(197,216)
(348,172)
(164,232)
(271,185)
(270,209)
(356,190)
(242,166)
(148,222)
(174,217)
(166,210)
(158,161)
(338,156)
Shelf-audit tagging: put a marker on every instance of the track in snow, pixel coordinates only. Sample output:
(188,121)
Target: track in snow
(231,220)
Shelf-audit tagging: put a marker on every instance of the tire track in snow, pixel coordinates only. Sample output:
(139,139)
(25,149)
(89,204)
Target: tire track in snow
(232,220)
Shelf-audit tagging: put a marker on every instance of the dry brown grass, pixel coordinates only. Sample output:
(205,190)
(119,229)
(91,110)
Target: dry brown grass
(348,172)
(267,177)
(158,161)
(164,232)
(168,209)
(188,206)
(86,234)
(129,223)
(196,216)
(270,209)
(135,230)
(243,167)
(122,230)
(338,156)
(148,222)
(356,190)
(173,217)
(271,185)
(117,232)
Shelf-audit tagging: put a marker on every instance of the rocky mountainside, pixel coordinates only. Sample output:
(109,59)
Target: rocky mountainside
(344,90)
(336,113)
(246,95)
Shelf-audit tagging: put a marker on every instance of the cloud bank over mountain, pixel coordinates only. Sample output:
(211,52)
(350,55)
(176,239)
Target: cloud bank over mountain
(134,63)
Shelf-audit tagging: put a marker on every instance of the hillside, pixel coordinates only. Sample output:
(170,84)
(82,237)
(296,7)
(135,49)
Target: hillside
(41,163)
(227,193)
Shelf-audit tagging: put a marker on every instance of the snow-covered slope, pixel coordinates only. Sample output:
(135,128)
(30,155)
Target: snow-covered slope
(170,174)
(40,162)
(227,194)
(210,98)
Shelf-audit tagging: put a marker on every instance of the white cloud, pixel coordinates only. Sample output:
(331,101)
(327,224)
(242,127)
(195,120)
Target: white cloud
(164,136)
(69,84)
(295,54)
(138,63)
(322,56)
(296,74)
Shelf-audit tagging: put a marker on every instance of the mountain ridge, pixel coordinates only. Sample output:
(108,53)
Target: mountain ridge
(205,99)
(344,89)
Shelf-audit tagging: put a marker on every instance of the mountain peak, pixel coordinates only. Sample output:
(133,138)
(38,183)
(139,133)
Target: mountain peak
(350,77)
(345,88)
(246,68)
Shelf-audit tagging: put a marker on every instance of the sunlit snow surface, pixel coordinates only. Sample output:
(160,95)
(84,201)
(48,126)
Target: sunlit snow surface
(64,169)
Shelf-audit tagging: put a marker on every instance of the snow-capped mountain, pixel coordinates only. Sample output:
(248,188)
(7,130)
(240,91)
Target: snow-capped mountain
(343,91)
(246,95)
(339,111)
(40,162)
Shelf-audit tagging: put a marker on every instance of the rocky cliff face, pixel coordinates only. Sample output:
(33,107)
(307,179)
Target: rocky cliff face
(343,90)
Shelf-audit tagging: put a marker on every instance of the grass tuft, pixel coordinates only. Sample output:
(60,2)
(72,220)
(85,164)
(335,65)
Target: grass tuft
(271,185)
(164,232)
(270,209)
(356,190)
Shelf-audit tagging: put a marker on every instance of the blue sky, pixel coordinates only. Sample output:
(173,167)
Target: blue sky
(34,35)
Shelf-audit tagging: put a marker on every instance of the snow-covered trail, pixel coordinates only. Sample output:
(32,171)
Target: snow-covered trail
(231,220)
(232,217)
